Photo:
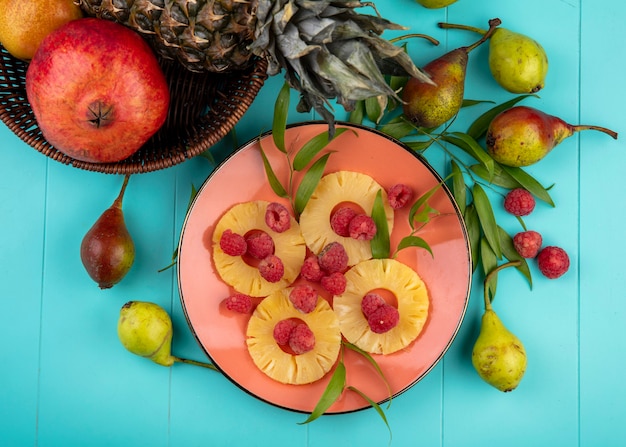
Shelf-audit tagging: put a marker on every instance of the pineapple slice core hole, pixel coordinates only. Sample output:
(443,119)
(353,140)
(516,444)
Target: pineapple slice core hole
(247,257)
(285,347)
(354,206)
(387,295)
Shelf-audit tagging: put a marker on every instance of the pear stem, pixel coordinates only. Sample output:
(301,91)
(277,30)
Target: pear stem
(493,24)
(194,362)
(118,201)
(444,25)
(490,276)
(610,132)
(410,36)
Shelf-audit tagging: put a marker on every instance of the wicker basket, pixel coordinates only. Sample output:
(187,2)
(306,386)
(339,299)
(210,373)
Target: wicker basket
(203,109)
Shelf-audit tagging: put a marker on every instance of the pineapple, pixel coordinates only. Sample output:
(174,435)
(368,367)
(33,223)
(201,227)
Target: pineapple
(288,246)
(280,365)
(327,49)
(411,295)
(332,190)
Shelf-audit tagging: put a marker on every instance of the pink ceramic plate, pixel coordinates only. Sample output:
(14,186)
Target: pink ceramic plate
(447,275)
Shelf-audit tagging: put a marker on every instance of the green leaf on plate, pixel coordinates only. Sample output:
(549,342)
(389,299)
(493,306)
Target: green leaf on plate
(472,225)
(489,262)
(312,147)
(281,110)
(380,242)
(459,190)
(370,359)
(508,249)
(487,219)
(416,213)
(379,410)
(309,182)
(528,181)
(414,241)
(479,127)
(333,390)
(277,187)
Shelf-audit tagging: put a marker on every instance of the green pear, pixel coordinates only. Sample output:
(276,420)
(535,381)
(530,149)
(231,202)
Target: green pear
(435,4)
(498,356)
(431,105)
(517,62)
(107,250)
(521,136)
(145,329)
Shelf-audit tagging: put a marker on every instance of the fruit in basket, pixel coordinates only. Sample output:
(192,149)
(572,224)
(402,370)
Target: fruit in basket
(428,105)
(498,355)
(24,24)
(335,191)
(225,35)
(517,62)
(97,90)
(435,4)
(412,304)
(245,273)
(312,352)
(521,136)
(107,250)
(145,329)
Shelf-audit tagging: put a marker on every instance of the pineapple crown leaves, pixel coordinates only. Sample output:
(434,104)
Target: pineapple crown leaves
(329,51)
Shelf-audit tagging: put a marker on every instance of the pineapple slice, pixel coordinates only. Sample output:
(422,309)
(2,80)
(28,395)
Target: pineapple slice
(410,292)
(289,246)
(332,190)
(282,366)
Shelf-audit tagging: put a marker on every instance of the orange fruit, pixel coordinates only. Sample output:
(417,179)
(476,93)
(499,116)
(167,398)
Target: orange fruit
(25,23)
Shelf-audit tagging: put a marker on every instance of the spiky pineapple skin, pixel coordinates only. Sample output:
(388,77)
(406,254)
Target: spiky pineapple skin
(412,299)
(289,246)
(283,366)
(333,189)
(204,35)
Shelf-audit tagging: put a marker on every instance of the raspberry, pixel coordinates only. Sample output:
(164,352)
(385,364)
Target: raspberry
(383,319)
(370,303)
(239,302)
(283,330)
(333,258)
(519,202)
(553,262)
(340,220)
(260,244)
(232,244)
(399,195)
(277,217)
(311,270)
(304,298)
(271,268)
(527,243)
(301,339)
(335,283)
(362,228)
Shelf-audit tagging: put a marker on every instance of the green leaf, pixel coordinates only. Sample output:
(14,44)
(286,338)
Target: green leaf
(459,190)
(499,176)
(398,128)
(277,187)
(380,244)
(487,219)
(508,249)
(281,110)
(312,147)
(309,182)
(472,224)
(479,127)
(471,146)
(375,108)
(414,241)
(529,182)
(422,202)
(489,262)
(370,359)
(356,116)
(419,146)
(333,390)
(473,102)
(379,410)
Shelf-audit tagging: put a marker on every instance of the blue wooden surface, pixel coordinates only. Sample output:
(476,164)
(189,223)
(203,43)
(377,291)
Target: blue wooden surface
(66,379)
